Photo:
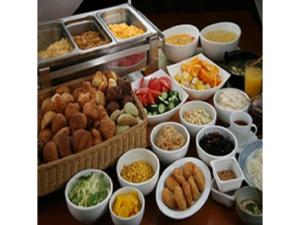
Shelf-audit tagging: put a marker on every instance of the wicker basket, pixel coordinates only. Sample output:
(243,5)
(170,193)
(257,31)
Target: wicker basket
(54,175)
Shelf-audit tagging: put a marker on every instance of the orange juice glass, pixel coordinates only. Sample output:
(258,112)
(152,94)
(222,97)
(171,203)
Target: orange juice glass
(253,79)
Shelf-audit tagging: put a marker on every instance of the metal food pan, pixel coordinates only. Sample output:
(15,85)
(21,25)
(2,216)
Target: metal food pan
(122,15)
(49,33)
(88,23)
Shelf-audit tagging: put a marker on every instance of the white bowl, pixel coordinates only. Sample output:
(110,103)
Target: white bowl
(167,157)
(176,53)
(223,113)
(191,105)
(87,215)
(193,93)
(132,220)
(134,155)
(221,130)
(216,50)
(227,164)
(227,198)
(176,214)
(154,119)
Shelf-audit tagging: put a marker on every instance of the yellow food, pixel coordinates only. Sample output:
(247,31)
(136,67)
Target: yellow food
(123,31)
(169,138)
(198,74)
(138,171)
(220,36)
(180,39)
(127,204)
(57,48)
(197,116)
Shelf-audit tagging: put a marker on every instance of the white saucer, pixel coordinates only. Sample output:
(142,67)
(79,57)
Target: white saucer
(243,141)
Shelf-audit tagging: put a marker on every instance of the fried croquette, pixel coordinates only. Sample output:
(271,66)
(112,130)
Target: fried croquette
(199,178)
(179,198)
(187,193)
(194,188)
(178,174)
(188,169)
(169,198)
(171,183)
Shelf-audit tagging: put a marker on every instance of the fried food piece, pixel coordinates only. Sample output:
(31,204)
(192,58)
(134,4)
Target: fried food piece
(64,145)
(77,92)
(71,109)
(82,139)
(188,168)
(62,89)
(87,87)
(58,122)
(100,81)
(199,178)
(111,75)
(62,130)
(84,98)
(187,193)
(107,126)
(194,188)
(178,174)
(45,136)
(78,121)
(50,152)
(59,103)
(96,136)
(67,97)
(47,105)
(169,198)
(90,110)
(171,183)
(47,118)
(99,97)
(179,198)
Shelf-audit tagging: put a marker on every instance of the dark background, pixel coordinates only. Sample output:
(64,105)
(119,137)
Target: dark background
(160,6)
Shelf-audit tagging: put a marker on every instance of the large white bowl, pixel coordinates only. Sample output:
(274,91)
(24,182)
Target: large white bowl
(167,157)
(154,119)
(132,220)
(198,94)
(224,114)
(87,215)
(206,157)
(191,105)
(176,214)
(216,50)
(134,155)
(176,53)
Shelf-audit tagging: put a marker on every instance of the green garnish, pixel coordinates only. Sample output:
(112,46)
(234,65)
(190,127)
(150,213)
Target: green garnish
(89,190)
(252,206)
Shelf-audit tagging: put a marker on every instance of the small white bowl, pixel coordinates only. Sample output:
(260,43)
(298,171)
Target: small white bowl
(167,157)
(227,164)
(87,215)
(176,53)
(216,50)
(206,157)
(224,114)
(227,198)
(177,214)
(134,155)
(193,93)
(175,86)
(132,220)
(191,105)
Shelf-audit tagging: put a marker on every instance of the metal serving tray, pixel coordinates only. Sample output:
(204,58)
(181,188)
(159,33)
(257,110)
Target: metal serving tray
(49,33)
(125,14)
(89,23)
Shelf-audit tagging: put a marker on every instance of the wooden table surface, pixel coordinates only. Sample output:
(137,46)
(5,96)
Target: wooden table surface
(52,208)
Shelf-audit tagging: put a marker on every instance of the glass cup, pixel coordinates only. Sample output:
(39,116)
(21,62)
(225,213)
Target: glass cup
(253,79)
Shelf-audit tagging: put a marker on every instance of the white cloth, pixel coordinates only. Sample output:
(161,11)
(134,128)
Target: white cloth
(54,9)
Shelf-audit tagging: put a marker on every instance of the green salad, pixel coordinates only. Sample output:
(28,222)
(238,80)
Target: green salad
(89,190)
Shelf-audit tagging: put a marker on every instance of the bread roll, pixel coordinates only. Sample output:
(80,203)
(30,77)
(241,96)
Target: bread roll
(84,98)
(50,152)
(78,121)
(65,130)
(64,145)
(82,139)
(62,89)
(45,136)
(71,109)
(47,105)
(58,122)
(47,118)
(96,136)
(67,97)
(90,110)
(77,92)
(59,103)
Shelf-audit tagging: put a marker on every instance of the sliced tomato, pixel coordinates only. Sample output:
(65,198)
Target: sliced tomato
(164,83)
(167,79)
(151,99)
(142,90)
(154,93)
(154,84)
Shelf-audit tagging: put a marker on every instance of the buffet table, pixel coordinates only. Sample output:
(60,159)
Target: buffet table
(52,209)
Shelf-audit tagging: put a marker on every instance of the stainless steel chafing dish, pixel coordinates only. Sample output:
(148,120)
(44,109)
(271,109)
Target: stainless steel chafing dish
(71,65)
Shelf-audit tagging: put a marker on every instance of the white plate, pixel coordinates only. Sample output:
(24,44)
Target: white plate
(176,214)
(243,141)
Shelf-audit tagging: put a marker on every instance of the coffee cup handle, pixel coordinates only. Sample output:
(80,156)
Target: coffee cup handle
(254,128)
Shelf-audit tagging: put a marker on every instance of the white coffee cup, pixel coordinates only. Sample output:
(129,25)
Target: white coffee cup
(241,123)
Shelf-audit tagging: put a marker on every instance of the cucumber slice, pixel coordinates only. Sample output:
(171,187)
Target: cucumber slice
(161,108)
(163,100)
(164,95)
(171,105)
(153,107)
